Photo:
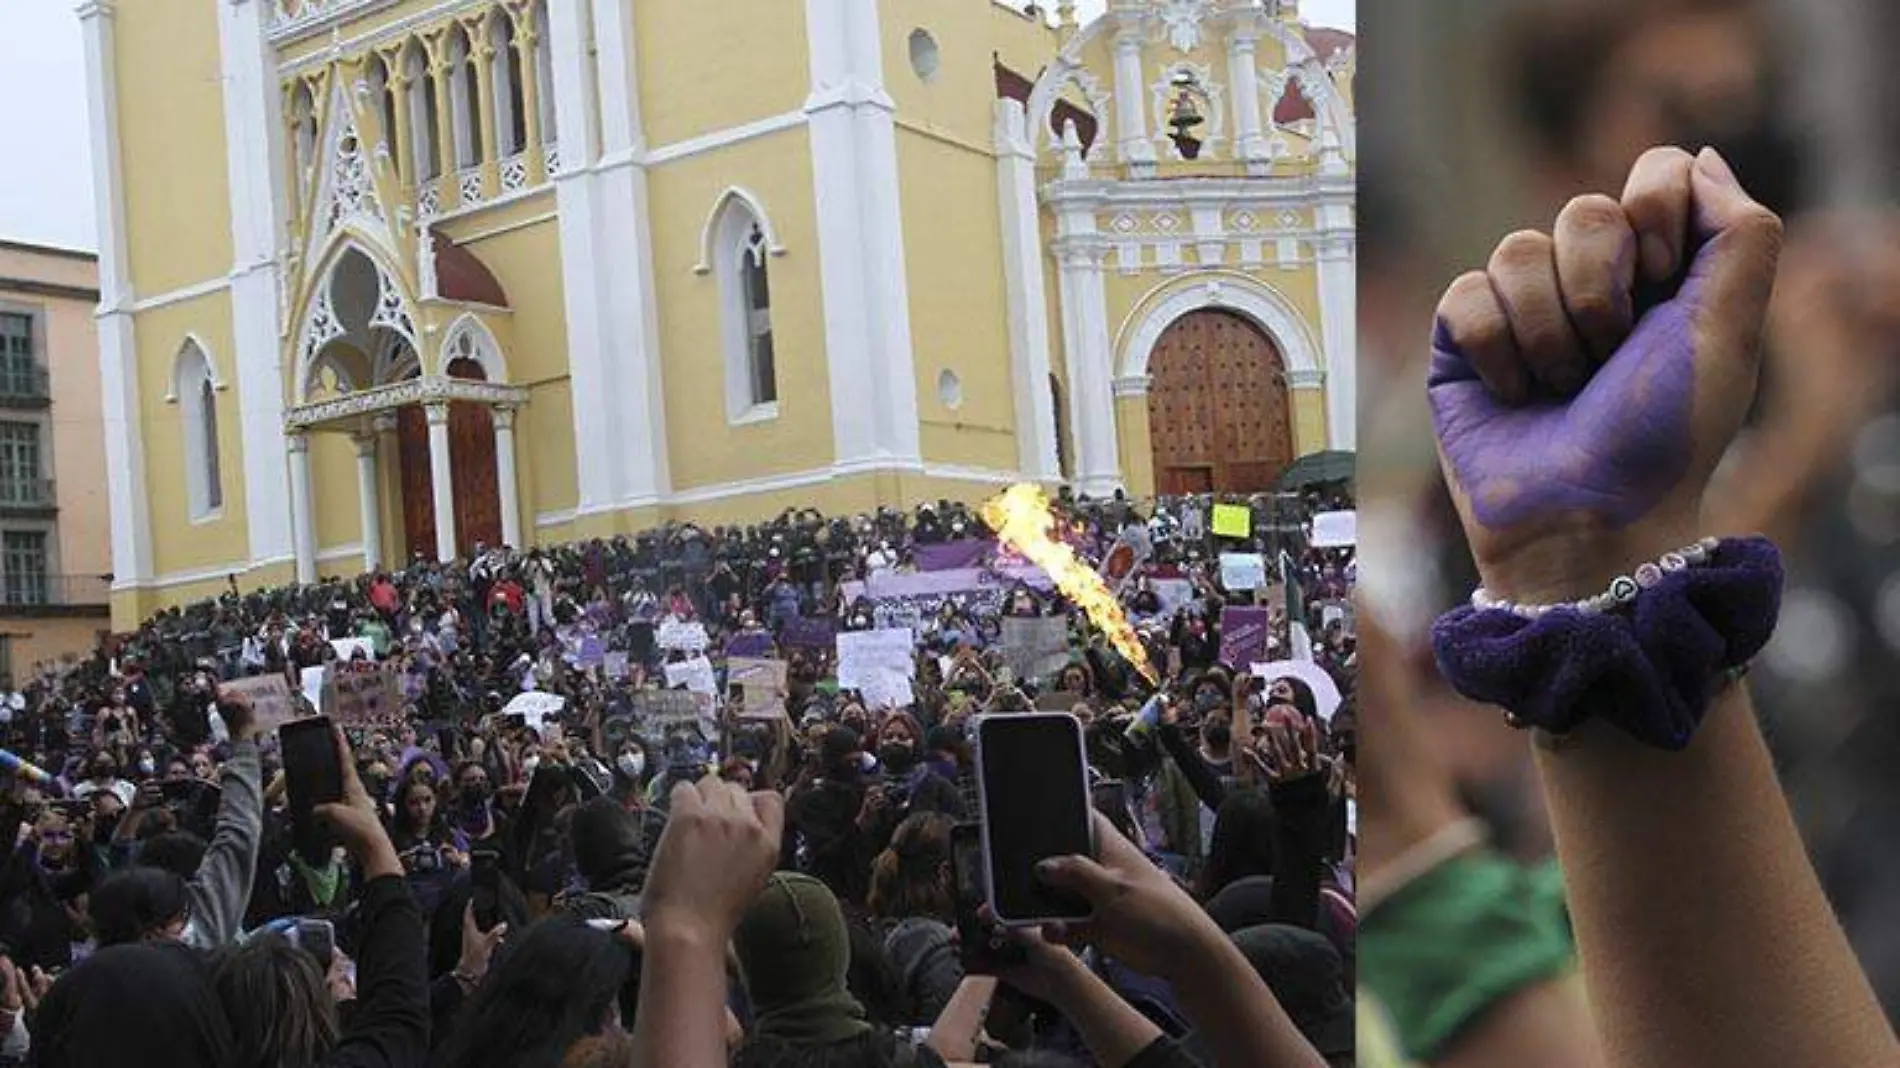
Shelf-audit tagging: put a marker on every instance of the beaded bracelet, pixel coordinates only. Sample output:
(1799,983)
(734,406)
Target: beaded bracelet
(1623,590)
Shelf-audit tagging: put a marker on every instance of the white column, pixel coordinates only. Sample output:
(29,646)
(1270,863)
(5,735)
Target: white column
(254,164)
(1335,251)
(441,480)
(1027,293)
(368,501)
(118,355)
(863,277)
(302,515)
(1130,120)
(504,420)
(1250,143)
(1088,352)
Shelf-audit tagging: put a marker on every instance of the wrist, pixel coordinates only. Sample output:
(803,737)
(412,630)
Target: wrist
(1582,563)
(683,931)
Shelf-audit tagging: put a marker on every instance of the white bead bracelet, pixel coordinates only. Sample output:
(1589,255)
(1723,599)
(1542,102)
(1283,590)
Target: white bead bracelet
(1623,590)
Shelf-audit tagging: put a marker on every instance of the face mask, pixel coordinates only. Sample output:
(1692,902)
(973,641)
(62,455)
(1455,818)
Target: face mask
(147,766)
(476,792)
(632,765)
(898,757)
(528,766)
(1217,735)
(1206,701)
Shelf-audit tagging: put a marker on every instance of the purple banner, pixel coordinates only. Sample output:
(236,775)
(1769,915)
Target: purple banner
(889,585)
(802,632)
(1243,636)
(951,555)
(751,645)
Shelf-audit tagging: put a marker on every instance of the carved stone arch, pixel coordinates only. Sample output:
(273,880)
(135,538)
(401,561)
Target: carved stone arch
(1316,83)
(746,200)
(469,338)
(1228,291)
(320,323)
(1068,69)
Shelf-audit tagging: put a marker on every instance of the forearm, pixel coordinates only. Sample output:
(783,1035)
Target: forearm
(953,1035)
(1672,863)
(222,884)
(1227,1001)
(1113,1030)
(681,1017)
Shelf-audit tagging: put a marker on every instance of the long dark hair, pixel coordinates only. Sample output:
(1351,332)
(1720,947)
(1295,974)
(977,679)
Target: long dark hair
(278,1003)
(399,815)
(551,986)
(1242,842)
(136,902)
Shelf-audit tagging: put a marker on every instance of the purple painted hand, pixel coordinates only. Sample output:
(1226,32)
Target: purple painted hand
(1578,439)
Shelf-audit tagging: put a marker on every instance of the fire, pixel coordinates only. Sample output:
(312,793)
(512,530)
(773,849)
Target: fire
(1022,518)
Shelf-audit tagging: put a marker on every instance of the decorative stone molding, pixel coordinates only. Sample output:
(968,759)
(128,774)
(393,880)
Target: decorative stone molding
(1303,378)
(430,390)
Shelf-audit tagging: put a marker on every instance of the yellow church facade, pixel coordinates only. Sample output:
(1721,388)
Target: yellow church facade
(382,278)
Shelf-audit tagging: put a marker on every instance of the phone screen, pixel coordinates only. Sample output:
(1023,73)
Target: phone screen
(485,877)
(312,774)
(1032,787)
(317,938)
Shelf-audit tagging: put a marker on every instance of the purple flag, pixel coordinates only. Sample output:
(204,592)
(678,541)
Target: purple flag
(751,645)
(1243,636)
(951,555)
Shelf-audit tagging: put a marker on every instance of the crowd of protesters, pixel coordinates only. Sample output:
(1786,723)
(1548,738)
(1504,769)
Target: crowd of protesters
(597,888)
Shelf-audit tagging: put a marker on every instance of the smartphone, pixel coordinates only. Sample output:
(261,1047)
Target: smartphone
(1032,790)
(485,876)
(178,791)
(313,773)
(983,951)
(317,938)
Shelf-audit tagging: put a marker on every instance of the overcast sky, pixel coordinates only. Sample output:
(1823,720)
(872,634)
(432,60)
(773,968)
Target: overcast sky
(46,189)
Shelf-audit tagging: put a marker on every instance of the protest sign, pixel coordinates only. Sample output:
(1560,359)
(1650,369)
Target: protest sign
(312,683)
(951,555)
(695,674)
(888,690)
(362,695)
(1326,696)
(272,704)
(1243,571)
(347,648)
(802,632)
(614,665)
(1172,593)
(535,708)
(592,651)
(683,637)
(916,600)
(751,644)
(864,655)
(1243,635)
(1333,530)
(1035,648)
(663,712)
(764,685)
(1232,521)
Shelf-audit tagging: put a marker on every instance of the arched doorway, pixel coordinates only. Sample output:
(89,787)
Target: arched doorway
(473,473)
(1219,416)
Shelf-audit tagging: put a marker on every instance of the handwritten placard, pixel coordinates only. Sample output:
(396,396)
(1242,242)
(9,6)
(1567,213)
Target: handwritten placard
(1232,521)
(272,704)
(1243,571)
(362,695)
(695,674)
(1243,635)
(763,683)
(614,665)
(865,655)
(1035,648)
(1335,530)
(663,712)
(674,635)
(804,632)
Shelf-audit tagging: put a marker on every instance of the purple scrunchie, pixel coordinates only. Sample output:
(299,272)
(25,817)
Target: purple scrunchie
(1650,667)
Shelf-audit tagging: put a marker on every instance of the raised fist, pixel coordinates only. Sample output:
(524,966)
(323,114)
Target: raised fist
(1585,383)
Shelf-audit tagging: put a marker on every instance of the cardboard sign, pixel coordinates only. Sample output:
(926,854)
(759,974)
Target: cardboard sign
(801,632)
(664,712)
(1232,521)
(751,645)
(1334,530)
(765,686)
(1036,648)
(272,704)
(362,696)
(865,655)
(683,637)
(347,648)
(695,674)
(1243,571)
(1243,635)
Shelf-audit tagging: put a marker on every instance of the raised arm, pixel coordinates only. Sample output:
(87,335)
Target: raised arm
(221,887)
(1578,433)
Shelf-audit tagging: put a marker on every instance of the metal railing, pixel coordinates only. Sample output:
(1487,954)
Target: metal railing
(27,589)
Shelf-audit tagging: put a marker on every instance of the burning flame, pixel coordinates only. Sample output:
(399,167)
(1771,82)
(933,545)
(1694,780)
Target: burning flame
(1022,518)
